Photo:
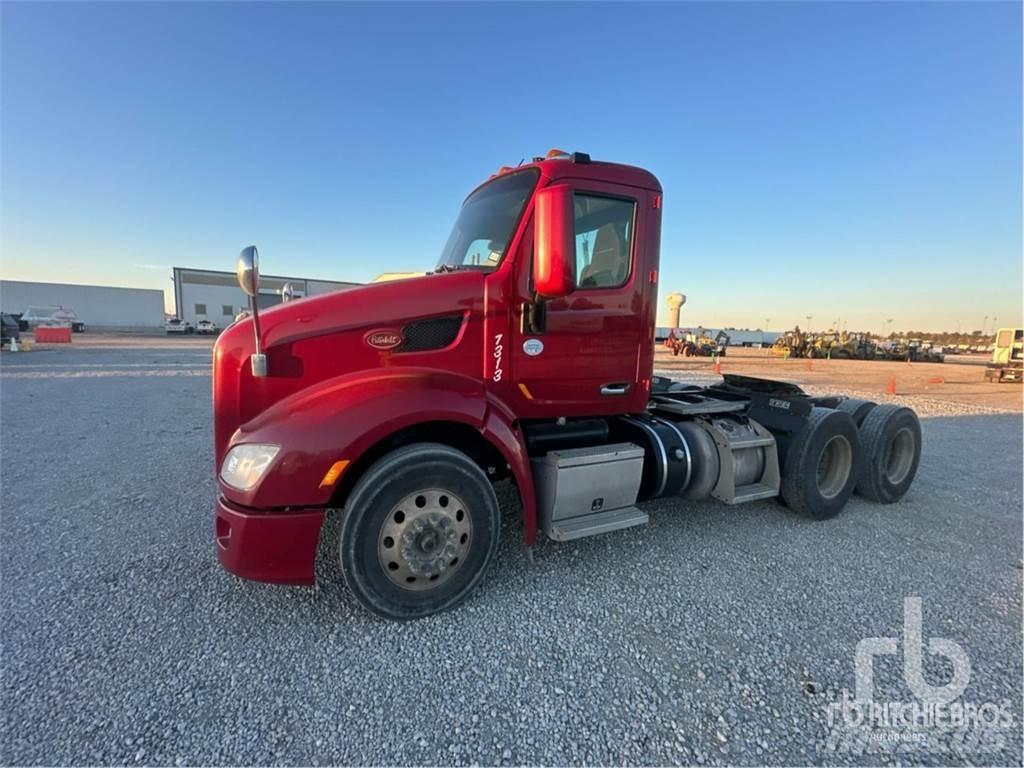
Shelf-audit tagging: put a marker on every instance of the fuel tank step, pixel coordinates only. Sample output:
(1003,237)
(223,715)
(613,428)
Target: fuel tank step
(753,492)
(571,528)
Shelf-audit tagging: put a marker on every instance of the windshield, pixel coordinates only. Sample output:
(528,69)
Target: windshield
(486,222)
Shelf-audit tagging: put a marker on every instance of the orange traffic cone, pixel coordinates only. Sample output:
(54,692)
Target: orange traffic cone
(891,388)
(717,366)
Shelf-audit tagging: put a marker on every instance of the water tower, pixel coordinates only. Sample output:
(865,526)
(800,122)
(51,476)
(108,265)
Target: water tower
(675,302)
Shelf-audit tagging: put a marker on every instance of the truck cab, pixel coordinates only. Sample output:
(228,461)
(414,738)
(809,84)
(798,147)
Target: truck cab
(526,354)
(1007,362)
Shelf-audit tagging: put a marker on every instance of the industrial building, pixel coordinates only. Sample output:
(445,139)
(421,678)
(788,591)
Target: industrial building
(98,306)
(204,294)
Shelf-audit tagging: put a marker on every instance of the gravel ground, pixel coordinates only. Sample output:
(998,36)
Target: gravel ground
(713,635)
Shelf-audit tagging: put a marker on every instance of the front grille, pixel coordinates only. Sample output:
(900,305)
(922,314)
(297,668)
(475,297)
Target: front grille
(435,333)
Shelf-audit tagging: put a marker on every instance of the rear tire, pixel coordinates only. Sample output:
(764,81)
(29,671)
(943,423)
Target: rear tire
(419,530)
(857,409)
(822,465)
(891,435)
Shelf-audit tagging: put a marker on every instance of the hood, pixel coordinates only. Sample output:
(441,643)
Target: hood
(389,305)
(321,337)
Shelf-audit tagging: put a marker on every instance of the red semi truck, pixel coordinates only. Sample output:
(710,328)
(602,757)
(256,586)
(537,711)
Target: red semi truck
(527,354)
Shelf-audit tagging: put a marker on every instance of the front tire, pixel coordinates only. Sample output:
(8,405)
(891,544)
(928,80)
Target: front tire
(418,532)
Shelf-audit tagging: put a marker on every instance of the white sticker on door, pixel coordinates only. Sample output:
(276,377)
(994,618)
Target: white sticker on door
(533,347)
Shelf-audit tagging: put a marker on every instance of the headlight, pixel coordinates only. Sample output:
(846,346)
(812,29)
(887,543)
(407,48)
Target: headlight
(245,464)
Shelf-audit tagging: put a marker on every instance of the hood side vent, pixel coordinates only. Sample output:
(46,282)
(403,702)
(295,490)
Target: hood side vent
(433,333)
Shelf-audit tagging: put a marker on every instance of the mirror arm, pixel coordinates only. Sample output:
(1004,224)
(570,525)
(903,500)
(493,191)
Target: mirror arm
(534,316)
(247,270)
(258,359)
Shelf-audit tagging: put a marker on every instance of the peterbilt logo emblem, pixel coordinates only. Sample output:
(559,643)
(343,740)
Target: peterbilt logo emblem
(383,339)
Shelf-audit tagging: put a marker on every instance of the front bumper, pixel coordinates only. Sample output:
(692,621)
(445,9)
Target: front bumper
(267,546)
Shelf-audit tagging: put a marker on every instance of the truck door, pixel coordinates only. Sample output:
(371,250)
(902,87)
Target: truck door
(586,362)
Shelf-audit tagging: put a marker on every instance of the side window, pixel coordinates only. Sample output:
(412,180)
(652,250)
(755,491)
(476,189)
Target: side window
(200,309)
(604,240)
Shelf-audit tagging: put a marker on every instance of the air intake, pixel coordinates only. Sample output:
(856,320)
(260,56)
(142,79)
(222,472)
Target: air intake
(434,333)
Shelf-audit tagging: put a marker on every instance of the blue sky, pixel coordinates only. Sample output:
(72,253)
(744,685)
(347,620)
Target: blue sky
(852,160)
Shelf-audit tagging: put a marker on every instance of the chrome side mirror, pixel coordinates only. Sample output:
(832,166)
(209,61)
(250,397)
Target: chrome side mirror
(247,270)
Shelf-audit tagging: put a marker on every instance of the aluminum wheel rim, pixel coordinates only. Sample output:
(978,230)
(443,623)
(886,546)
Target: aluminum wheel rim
(834,466)
(900,457)
(425,539)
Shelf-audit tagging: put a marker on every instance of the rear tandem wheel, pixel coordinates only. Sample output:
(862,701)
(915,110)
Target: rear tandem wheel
(891,435)
(822,464)
(858,409)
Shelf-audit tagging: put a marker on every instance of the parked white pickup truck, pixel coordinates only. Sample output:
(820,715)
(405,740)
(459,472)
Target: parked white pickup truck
(207,326)
(174,325)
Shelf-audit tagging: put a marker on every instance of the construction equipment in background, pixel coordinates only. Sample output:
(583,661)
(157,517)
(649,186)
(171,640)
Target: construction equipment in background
(909,351)
(834,344)
(1007,357)
(848,346)
(698,345)
(924,352)
(722,340)
(791,344)
(893,349)
(843,345)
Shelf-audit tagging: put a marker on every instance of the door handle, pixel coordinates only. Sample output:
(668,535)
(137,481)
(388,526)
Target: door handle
(614,389)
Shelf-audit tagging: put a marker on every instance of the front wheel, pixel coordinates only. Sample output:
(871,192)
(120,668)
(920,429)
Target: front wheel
(419,531)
